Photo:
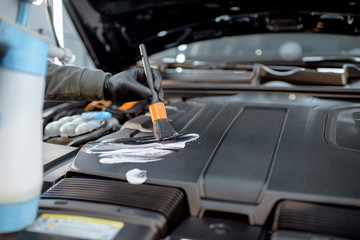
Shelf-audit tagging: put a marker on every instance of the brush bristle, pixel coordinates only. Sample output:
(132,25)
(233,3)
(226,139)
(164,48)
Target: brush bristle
(163,130)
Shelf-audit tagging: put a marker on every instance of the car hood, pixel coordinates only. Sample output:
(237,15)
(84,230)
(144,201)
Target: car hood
(112,30)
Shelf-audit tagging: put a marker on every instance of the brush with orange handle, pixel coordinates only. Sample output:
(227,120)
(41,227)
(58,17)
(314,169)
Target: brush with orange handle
(161,125)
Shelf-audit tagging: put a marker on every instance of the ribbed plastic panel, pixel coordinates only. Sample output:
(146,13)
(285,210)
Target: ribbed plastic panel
(168,201)
(317,218)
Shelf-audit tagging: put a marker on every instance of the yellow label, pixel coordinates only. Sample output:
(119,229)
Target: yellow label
(111,223)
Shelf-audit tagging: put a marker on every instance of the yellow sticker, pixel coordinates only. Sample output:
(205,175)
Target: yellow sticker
(111,223)
(76,226)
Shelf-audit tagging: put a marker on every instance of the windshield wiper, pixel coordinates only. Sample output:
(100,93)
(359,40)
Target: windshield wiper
(259,73)
(320,59)
(301,75)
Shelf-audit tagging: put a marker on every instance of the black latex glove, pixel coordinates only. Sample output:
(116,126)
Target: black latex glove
(131,85)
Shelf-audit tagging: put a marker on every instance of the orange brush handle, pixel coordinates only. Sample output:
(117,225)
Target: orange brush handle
(157,111)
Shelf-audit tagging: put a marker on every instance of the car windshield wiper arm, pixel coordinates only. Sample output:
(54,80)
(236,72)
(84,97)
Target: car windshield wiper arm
(260,73)
(301,75)
(319,59)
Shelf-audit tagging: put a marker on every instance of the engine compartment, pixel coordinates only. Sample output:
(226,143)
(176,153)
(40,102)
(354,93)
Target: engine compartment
(254,151)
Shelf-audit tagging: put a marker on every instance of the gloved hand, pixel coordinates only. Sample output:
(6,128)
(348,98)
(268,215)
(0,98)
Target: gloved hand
(131,85)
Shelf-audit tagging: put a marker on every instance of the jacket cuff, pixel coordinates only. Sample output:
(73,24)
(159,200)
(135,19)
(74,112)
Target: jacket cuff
(92,84)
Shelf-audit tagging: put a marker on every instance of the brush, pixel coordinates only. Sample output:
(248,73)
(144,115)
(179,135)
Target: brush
(161,125)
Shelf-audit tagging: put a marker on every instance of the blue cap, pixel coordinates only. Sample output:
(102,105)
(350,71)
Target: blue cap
(96,115)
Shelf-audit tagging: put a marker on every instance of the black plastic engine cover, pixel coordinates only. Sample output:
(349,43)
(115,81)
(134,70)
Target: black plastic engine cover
(254,149)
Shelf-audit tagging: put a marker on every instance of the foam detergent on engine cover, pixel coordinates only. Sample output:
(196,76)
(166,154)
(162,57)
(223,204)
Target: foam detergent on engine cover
(22,84)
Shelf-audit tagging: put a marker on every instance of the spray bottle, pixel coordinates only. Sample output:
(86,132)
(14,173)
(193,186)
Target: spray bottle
(23,63)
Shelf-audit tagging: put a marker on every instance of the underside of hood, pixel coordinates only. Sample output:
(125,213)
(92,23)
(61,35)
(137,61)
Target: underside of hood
(112,30)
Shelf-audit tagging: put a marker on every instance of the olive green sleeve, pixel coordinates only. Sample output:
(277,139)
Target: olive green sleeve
(74,83)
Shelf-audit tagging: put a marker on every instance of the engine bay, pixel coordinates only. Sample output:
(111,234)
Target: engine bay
(244,162)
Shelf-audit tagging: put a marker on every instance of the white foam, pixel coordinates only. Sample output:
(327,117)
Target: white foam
(136,176)
(111,152)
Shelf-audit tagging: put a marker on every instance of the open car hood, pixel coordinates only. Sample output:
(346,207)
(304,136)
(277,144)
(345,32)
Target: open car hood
(112,30)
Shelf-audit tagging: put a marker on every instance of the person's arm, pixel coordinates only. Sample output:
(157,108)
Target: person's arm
(74,83)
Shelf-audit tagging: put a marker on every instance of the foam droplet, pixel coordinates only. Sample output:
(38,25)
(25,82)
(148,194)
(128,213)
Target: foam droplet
(136,176)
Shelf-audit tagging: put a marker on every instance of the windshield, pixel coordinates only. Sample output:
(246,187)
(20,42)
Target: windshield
(263,47)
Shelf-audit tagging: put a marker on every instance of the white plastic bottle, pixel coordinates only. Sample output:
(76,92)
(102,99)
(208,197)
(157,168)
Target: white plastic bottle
(22,84)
